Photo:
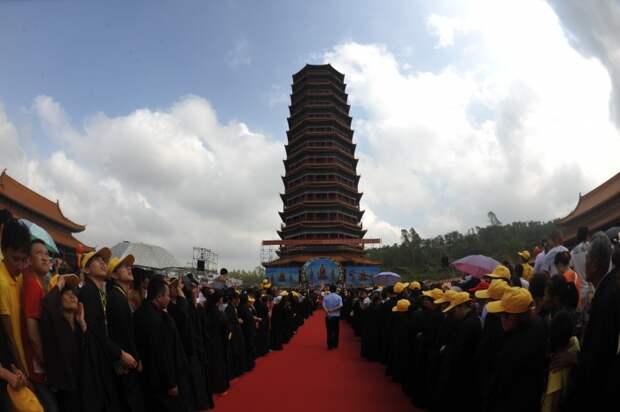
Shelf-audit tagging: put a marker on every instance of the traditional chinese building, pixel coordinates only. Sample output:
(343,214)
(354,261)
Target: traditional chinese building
(321,216)
(598,209)
(23,202)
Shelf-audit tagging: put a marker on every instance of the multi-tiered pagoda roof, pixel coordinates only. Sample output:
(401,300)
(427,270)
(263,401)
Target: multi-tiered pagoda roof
(321,202)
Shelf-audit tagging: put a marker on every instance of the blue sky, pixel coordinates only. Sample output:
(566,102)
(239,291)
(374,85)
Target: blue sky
(164,122)
(116,56)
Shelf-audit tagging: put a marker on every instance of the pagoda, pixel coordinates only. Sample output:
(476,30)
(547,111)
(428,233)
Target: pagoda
(321,215)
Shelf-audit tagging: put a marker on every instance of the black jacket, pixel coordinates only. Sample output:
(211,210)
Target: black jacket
(598,366)
(518,376)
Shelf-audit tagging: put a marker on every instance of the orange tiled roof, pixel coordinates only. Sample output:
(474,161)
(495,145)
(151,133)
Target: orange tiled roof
(31,200)
(596,197)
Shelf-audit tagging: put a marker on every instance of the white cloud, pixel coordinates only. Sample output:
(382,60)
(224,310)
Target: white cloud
(175,177)
(521,131)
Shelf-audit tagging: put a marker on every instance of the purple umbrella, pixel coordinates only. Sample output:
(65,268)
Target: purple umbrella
(386,278)
(475,265)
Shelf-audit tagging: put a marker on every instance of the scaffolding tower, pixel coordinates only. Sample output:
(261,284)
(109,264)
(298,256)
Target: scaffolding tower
(205,261)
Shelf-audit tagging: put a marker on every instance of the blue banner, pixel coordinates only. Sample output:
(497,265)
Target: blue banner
(360,276)
(286,277)
(321,272)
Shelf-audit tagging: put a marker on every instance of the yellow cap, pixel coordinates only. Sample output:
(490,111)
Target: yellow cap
(448,295)
(496,290)
(70,279)
(399,287)
(283,293)
(458,299)
(500,272)
(24,399)
(401,306)
(415,285)
(516,300)
(117,262)
(104,252)
(251,299)
(434,294)
(524,254)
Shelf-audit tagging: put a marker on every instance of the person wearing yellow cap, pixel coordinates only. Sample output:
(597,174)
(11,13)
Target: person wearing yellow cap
(121,330)
(456,388)
(108,353)
(431,319)
(399,354)
(526,270)
(517,373)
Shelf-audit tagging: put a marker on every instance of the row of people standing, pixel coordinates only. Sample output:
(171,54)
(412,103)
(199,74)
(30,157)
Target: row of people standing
(501,347)
(104,341)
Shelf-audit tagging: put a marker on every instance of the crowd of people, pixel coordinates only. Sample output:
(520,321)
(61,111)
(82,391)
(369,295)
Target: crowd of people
(541,337)
(102,340)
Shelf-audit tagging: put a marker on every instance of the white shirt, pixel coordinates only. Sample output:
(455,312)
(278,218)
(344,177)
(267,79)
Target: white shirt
(549,262)
(538,263)
(578,262)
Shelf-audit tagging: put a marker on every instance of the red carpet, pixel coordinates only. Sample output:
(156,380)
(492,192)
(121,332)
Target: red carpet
(305,376)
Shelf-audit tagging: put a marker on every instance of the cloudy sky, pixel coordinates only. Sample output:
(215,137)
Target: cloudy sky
(164,122)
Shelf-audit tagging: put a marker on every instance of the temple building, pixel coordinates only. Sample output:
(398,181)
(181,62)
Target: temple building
(321,216)
(23,202)
(598,209)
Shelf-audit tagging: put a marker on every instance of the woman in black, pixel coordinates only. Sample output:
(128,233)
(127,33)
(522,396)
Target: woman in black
(247,316)
(262,334)
(217,330)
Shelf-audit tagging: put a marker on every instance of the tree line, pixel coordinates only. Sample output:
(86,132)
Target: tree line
(419,258)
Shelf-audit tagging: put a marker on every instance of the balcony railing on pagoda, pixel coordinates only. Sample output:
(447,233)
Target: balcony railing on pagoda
(315,149)
(326,92)
(325,105)
(324,131)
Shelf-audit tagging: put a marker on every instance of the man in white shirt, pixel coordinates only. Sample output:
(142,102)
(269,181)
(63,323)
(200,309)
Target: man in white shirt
(556,240)
(540,257)
(332,303)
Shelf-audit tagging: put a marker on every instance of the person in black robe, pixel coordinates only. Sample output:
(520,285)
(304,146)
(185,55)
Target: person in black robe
(239,363)
(385,322)
(178,308)
(262,334)
(247,316)
(427,338)
(121,330)
(159,344)
(399,358)
(597,366)
(106,355)
(217,330)
(371,329)
(202,395)
(277,323)
(518,374)
(414,330)
(457,386)
(64,337)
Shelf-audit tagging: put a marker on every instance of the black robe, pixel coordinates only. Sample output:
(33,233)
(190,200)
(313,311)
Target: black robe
(217,330)
(598,368)
(491,342)
(277,326)
(371,332)
(159,344)
(239,363)
(246,313)
(518,375)
(427,340)
(457,386)
(262,334)
(103,352)
(120,327)
(400,345)
(414,330)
